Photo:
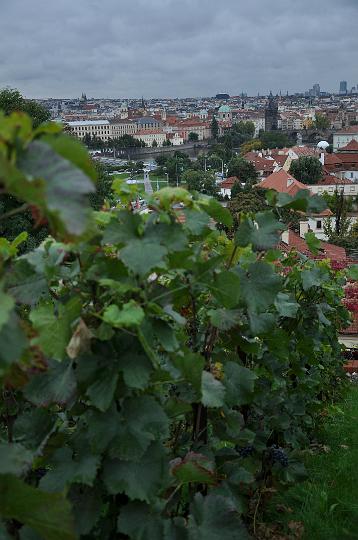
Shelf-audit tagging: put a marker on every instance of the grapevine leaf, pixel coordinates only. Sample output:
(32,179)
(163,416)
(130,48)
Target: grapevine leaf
(14,459)
(226,288)
(239,382)
(54,329)
(314,277)
(224,319)
(215,518)
(6,305)
(136,370)
(352,272)
(313,242)
(196,222)
(49,514)
(141,257)
(191,367)
(140,522)
(262,234)
(216,210)
(194,468)
(125,228)
(259,285)
(286,305)
(141,480)
(213,391)
(101,392)
(65,470)
(32,427)
(131,314)
(87,507)
(56,385)
(143,421)
(25,284)
(66,187)
(13,342)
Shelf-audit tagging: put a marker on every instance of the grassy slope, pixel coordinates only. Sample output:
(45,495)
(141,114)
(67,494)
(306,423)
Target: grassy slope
(327,503)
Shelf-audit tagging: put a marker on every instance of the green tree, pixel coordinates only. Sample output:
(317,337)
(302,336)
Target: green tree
(11,100)
(103,191)
(275,139)
(307,169)
(193,137)
(204,182)
(214,128)
(154,143)
(255,144)
(321,121)
(243,169)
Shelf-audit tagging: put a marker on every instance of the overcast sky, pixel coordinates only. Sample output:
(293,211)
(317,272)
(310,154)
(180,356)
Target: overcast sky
(168,48)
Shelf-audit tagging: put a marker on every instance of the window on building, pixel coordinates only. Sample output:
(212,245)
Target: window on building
(319,224)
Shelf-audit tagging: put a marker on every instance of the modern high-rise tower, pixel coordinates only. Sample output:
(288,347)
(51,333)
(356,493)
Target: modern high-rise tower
(343,87)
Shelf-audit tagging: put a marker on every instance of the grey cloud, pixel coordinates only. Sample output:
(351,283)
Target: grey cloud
(119,48)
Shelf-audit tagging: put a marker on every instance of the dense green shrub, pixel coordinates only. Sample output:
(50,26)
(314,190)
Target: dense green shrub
(158,378)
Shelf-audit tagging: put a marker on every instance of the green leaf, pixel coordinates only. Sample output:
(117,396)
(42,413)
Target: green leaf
(32,427)
(125,228)
(286,305)
(194,468)
(213,391)
(239,383)
(191,367)
(102,427)
(66,187)
(142,480)
(53,326)
(196,222)
(303,201)
(215,518)
(101,392)
(6,306)
(141,257)
(224,319)
(226,288)
(87,508)
(25,284)
(263,233)
(165,335)
(131,314)
(216,210)
(49,514)
(259,286)
(314,277)
(64,470)
(72,150)
(14,459)
(313,243)
(56,385)
(13,342)
(352,272)
(143,420)
(136,370)
(140,521)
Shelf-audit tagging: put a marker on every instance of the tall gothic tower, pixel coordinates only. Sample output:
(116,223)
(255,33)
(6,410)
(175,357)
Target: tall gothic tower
(271,114)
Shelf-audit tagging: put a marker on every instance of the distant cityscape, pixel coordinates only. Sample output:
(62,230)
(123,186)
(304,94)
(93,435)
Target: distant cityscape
(161,122)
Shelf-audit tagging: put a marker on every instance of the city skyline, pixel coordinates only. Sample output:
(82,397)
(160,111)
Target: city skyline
(170,49)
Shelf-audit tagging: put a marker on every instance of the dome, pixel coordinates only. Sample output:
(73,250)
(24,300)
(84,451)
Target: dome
(224,109)
(323,145)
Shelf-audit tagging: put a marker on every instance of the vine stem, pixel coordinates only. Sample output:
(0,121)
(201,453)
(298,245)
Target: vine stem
(15,211)
(256,510)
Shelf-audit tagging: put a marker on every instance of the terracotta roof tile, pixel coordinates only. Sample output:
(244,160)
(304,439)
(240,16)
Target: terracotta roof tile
(283,182)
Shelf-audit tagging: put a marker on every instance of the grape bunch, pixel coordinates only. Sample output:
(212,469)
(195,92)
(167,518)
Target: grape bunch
(246,451)
(278,455)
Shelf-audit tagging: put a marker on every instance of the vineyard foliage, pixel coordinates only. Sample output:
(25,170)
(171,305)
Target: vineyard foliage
(158,378)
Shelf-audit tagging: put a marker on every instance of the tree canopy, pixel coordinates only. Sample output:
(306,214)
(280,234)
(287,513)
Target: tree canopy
(201,181)
(243,169)
(307,169)
(11,100)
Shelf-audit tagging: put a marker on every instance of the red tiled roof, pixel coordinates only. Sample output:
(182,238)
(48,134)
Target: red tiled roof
(229,182)
(327,250)
(304,151)
(329,180)
(351,130)
(283,182)
(352,146)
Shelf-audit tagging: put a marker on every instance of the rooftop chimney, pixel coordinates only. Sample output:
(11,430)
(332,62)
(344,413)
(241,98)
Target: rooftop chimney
(304,228)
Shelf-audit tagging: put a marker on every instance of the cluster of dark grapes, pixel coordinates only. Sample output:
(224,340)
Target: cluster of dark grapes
(278,455)
(246,451)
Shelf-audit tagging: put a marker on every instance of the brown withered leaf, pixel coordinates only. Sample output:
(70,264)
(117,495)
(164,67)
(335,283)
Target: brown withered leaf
(80,340)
